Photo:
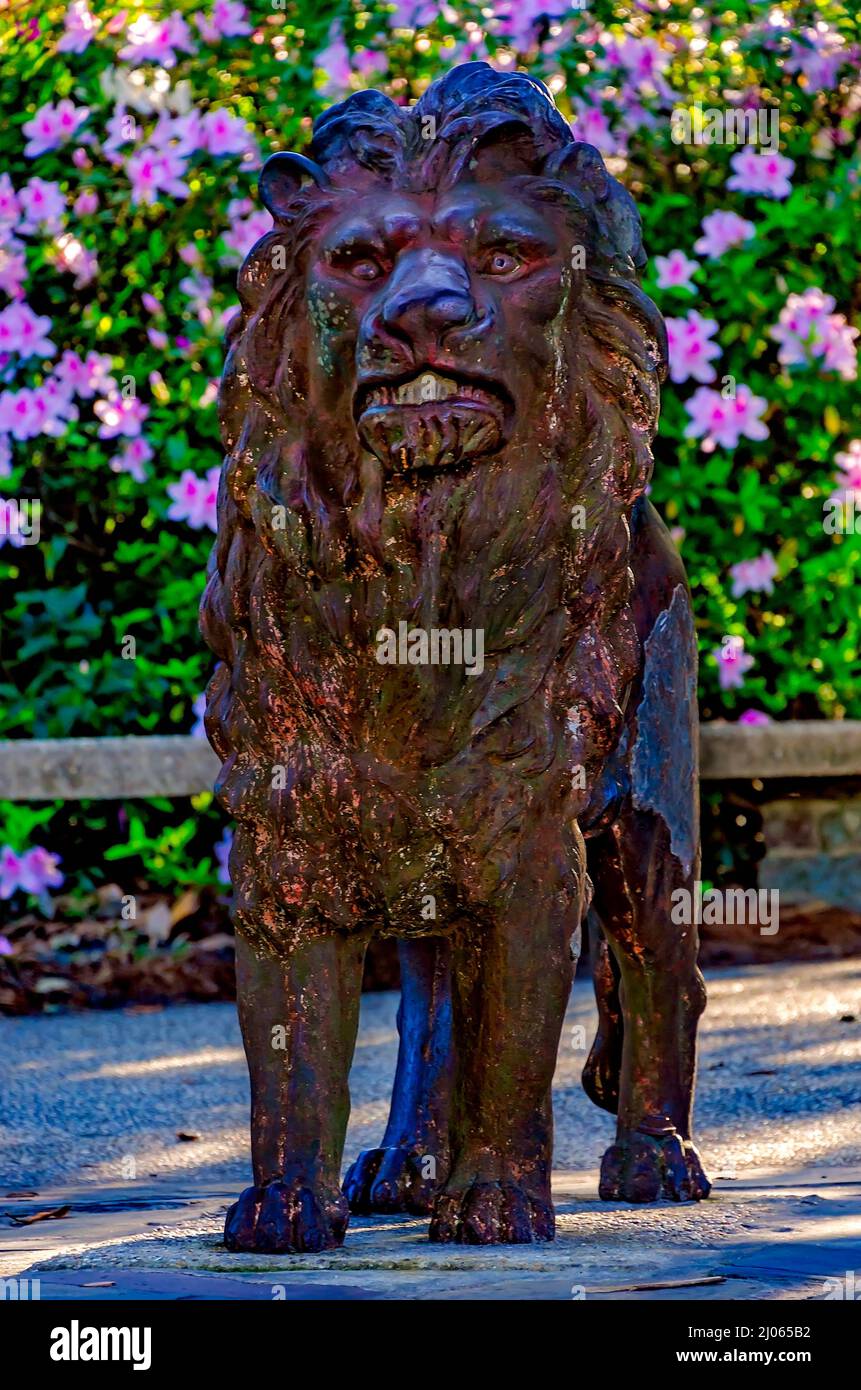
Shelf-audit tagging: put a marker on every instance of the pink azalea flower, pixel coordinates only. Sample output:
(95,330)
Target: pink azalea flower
(120,415)
(849,464)
(334,62)
(76,259)
(819,52)
(766,175)
(841,354)
(733,663)
(644,60)
(132,459)
(121,130)
(515,20)
(229,20)
(410,14)
(17,416)
(5,457)
(39,871)
(86,203)
(724,422)
(53,126)
(195,499)
(722,230)
(24,332)
(13,269)
(199,289)
(51,408)
(181,135)
(152,172)
(370,63)
(10,208)
(754,716)
(155,40)
(42,206)
(85,376)
(245,233)
(591,125)
(79,26)
(225,134)
(6,947)
(808,330)
(675,271)
(754,576)
(227,316)
(691,348)
(10,868)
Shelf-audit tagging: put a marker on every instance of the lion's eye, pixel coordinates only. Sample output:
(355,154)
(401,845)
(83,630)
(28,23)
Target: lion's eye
(359,262)
(365,269)
(500,263)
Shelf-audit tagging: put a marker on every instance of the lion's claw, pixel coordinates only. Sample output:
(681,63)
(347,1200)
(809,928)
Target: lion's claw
(389,1180)
(484,1212)
(286,1217)
(642,1167)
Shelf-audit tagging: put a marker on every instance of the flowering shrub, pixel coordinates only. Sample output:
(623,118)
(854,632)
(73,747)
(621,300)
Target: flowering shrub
(134,135)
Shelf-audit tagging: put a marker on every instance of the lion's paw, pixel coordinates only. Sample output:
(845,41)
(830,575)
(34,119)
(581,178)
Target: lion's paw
(484,1212)
(389,1180)
(286,1217)
(642,1167)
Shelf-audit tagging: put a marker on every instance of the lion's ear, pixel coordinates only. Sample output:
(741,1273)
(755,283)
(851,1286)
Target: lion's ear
(582,165)
(281,178)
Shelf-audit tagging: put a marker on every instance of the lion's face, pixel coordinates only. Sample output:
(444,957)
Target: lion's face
(429,322)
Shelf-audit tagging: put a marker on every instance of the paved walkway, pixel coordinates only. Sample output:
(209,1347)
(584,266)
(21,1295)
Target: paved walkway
(92,1107)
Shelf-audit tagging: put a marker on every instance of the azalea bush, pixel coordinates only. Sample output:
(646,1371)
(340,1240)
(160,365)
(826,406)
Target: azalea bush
(133,139)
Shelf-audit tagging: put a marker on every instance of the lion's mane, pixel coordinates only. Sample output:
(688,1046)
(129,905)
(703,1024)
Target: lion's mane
(313,556)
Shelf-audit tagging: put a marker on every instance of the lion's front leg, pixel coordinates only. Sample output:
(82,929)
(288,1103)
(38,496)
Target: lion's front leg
(299,1015)
(511,980)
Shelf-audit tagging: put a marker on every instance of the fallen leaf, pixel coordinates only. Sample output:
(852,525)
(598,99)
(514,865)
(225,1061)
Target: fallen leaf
(50,1214)
(187,903)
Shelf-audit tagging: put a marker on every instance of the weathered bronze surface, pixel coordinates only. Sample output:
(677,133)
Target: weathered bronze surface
(455,643)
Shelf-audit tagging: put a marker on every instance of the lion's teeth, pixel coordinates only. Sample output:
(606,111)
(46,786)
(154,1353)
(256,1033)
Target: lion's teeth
(425,387)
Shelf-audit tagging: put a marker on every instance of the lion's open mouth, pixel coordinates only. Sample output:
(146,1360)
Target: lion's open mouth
(432,419)
(427,387)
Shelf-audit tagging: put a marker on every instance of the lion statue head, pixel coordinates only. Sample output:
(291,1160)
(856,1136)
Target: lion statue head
(437,408)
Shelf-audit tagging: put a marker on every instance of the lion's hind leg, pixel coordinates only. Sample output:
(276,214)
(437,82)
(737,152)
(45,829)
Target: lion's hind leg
(413,1160)
(604,1063)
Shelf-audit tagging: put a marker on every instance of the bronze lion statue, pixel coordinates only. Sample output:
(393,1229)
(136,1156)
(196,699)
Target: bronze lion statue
(455,699)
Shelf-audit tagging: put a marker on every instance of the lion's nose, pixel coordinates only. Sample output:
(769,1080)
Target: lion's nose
(429,296)
(425,311)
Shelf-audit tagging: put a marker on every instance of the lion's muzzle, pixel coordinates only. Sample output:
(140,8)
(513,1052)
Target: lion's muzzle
(431,420)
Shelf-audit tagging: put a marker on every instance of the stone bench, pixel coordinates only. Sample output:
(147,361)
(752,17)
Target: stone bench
(812,831)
